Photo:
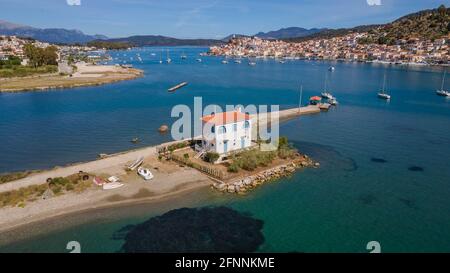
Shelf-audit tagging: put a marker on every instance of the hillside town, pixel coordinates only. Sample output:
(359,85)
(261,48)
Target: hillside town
(347,47)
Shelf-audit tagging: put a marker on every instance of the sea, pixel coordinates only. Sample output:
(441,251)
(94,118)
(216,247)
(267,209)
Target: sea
(384,171)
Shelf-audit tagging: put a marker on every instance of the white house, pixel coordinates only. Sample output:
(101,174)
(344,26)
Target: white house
(229,131)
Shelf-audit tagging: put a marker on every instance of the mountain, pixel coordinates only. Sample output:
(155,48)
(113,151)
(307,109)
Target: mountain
(425,25)
(290,32)
(158,40)
(50,35)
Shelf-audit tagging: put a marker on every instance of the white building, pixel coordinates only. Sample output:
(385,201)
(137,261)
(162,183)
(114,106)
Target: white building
(229,131)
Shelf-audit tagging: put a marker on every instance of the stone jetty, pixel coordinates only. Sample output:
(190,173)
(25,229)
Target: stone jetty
(243,185)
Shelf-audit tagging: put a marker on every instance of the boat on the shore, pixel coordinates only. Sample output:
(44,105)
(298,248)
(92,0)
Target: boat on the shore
(98,181)
(145,173)
(442,92)
(382,94)
(135,164)
(178,86)
(112,185)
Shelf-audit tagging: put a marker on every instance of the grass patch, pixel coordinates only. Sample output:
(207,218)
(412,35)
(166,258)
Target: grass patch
(23,71)
(8,177)
(58,185)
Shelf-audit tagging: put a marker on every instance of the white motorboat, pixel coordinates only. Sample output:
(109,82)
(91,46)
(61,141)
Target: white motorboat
(237,61)
(112,185)
(113,179)
(331,68)
(224,61)
(199,60)
(327,95)
(145,173)
(333,101)
(135,164)
(252,63)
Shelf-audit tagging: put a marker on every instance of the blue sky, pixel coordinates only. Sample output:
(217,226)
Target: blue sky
(203,18)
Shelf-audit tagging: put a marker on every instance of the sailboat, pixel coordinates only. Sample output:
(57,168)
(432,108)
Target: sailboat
(325,94)
(169,60)
(183,56)
(382,94)
(443,92)
(160,57)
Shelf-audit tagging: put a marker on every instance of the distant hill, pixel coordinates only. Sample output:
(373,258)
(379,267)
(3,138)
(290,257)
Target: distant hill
(426,24)
(158,40)
(50,35)
(290,32)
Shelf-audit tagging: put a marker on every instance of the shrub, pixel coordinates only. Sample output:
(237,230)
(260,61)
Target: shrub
(211,157)
(233,168)
(186,156)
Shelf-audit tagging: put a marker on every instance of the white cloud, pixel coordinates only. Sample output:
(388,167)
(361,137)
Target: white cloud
(73,2)
(374,2)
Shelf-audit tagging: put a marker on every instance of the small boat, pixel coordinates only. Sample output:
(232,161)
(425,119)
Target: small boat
(224,62)
(333,101)
(178,86)
(281,61)
(327,95)
(382,94)
(237,61)
(98,181)
(135,140)
(183,56)
(112,185)
(113,179)
(315,100)
(442,92)
(331,68)
(153,54)
(251,63)
(145,173)
(199,60)
(135,164)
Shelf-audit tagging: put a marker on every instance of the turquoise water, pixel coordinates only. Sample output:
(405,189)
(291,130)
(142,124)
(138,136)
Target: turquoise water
(349,201)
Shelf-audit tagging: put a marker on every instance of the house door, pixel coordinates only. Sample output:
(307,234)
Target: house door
(225,146)
(242,142)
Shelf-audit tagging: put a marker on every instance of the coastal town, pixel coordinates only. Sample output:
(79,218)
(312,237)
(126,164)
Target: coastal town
(348,47)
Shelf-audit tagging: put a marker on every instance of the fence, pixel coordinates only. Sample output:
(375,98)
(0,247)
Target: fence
(205,169)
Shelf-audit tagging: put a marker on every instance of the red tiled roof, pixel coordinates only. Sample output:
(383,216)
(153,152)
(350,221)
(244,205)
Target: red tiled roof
(226,118)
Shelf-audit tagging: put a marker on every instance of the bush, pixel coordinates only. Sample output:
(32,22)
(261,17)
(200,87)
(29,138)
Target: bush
(211,157)
(233,168)
(186,156)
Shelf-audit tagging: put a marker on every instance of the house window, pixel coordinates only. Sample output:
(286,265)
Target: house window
(222,130)
(247,124)
(213,129)
(234,127)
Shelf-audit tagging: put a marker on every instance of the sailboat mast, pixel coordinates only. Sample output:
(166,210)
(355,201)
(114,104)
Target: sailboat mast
(443,80)
(384,83)
(300,99)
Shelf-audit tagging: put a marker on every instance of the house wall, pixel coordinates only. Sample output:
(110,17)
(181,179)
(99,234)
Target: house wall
(233,137)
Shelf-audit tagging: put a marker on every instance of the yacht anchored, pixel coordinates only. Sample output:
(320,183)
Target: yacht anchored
(443,92)
(382,94)
(168,60)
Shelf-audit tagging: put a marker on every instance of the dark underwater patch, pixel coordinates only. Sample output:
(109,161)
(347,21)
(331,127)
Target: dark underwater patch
(416,169)
(378,160)
(409,203)
(218,229)
(367,199)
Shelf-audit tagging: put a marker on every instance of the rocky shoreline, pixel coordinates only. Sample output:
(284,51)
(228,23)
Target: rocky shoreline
(244,185)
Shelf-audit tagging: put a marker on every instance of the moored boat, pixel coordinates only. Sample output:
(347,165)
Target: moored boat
(382,94)
(442,92)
